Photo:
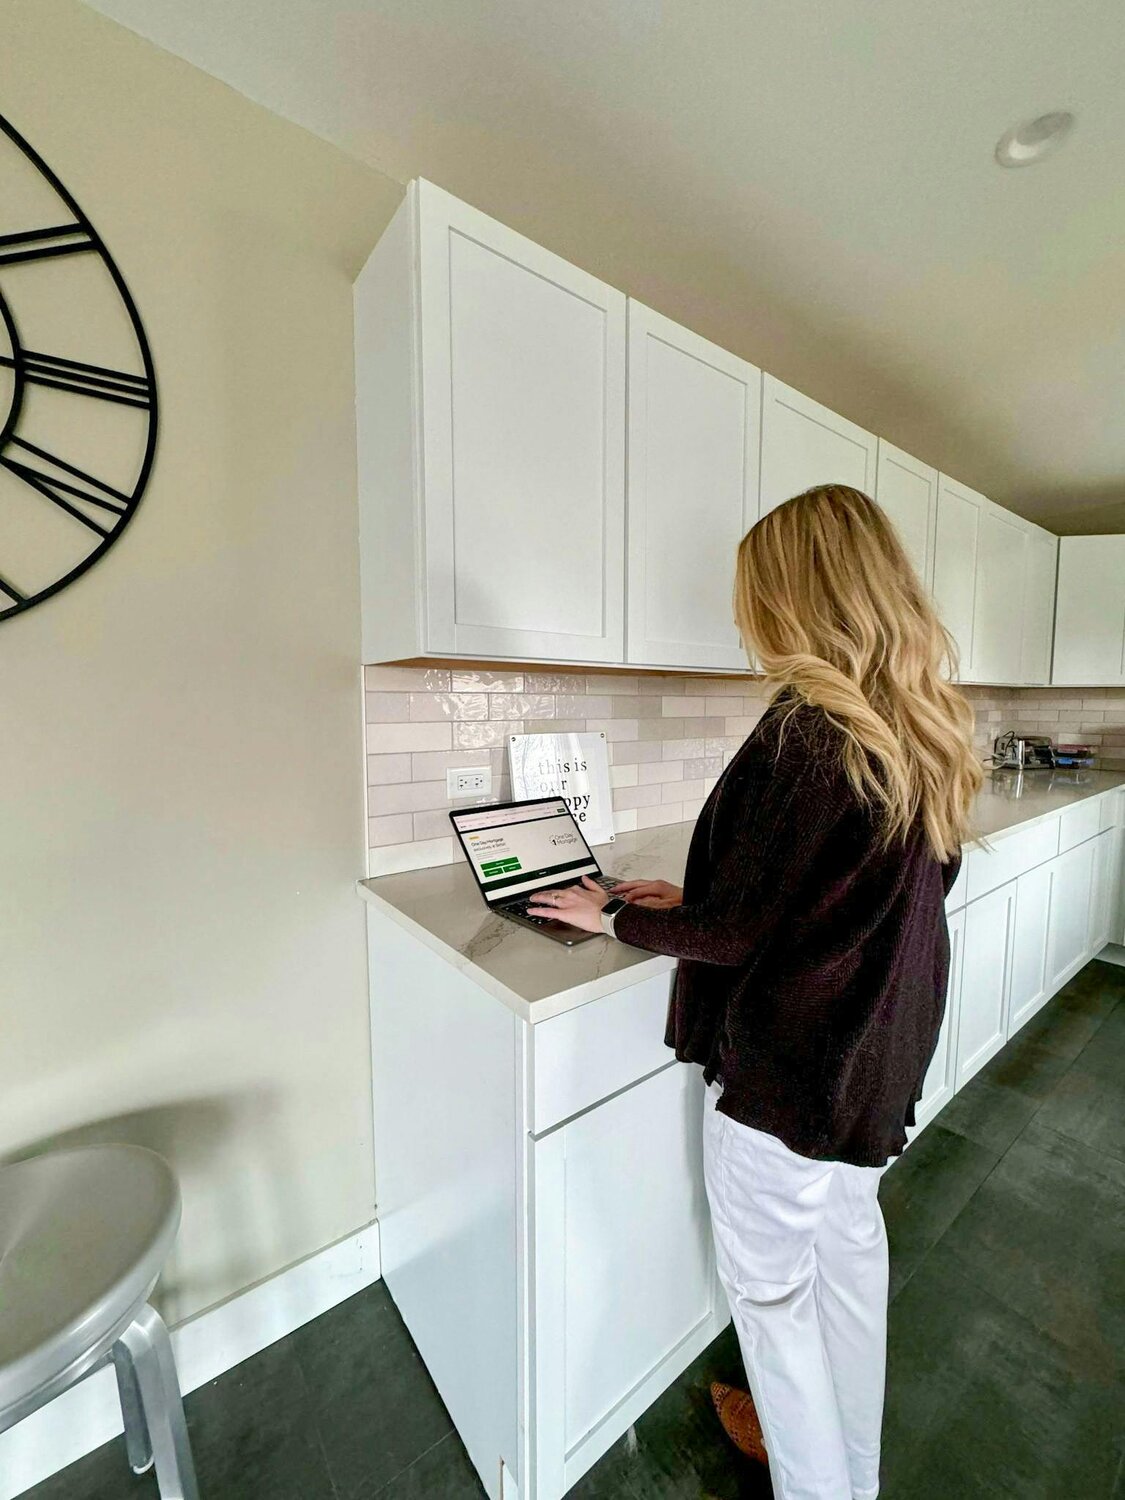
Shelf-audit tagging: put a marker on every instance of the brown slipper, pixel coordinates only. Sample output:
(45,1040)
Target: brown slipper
(735,1410)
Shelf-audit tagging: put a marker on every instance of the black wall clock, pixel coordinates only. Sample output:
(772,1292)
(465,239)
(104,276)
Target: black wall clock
(77,387)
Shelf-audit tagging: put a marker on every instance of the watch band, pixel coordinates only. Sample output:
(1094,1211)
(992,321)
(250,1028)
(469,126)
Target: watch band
(609,914)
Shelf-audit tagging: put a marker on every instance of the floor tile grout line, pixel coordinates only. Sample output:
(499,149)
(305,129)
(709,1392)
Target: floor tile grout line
(1073,1140)
(416,1460)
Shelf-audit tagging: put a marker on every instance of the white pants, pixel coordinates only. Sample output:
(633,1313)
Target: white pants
(802,1253)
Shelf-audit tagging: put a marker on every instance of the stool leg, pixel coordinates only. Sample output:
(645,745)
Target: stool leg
(150,1351)
(137,1444)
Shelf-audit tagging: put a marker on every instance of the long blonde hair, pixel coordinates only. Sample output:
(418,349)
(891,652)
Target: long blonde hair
(828,601)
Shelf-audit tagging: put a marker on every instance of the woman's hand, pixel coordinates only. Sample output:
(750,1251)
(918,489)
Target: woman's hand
(657,893)
(577,905)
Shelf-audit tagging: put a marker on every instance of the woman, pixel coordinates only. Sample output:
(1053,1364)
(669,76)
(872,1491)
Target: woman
(814,956)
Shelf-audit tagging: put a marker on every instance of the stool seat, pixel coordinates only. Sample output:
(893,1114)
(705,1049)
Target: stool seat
(84,1235)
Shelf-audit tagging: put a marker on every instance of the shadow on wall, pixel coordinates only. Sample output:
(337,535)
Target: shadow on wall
(194,1135)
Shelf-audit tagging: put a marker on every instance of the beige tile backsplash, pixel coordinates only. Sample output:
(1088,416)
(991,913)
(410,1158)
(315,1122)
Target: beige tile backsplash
(669,738)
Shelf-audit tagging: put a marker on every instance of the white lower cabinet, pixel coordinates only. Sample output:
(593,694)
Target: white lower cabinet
(1029,946)
(1103,891)
(1068,927)
(982,1026)
(941,1076)
(624,1280)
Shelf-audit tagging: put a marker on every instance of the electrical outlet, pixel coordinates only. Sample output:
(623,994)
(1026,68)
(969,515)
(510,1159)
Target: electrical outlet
(468,781)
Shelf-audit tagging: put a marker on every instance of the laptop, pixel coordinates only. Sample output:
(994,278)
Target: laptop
(517,850)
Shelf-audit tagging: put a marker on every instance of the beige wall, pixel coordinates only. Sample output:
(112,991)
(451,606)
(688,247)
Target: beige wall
(181,950)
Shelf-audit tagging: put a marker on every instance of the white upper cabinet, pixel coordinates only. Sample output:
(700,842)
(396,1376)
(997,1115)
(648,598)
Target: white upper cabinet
(1039,606)
(998,606)
(490,392)
(803,444)
(907,490)
(994,582)
(956,540)
(694,414)
(499,391)
(1090,617)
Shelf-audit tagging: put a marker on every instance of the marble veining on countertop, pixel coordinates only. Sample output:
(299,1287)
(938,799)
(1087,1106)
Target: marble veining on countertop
(537,978)
(443,908)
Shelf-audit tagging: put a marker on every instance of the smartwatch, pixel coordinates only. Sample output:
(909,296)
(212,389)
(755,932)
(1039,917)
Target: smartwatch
(609,912)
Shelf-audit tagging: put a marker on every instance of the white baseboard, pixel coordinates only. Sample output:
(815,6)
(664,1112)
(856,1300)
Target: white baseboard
(88,1415)
(1112,953)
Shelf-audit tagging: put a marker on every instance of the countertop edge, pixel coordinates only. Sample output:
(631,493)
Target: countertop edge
(532,1011)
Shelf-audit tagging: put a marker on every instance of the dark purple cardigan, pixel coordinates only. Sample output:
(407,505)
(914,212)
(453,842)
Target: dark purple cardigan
(813,960)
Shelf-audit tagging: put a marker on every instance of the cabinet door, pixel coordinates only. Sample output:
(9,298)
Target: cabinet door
(1117,887)
(624,1287)
(1103,893)
(907,491)
(999,603)
(523,443)
(1029,946)
(982,1026)
(955,564)
(1069,924)
(803,443)
(941,1075)
(694,424)
(1090,611)
(1041,564)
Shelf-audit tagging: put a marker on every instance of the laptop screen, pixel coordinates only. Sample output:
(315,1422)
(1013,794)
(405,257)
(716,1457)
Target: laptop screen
(523,846)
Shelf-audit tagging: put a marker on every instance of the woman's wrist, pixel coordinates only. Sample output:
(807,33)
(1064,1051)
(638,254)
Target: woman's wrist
(610,912)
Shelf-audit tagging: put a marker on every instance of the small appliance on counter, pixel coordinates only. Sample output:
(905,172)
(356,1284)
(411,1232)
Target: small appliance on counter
(1024,752)
(1075,755)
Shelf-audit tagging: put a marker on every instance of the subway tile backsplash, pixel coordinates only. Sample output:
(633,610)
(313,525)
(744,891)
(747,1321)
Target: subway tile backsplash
(669,738)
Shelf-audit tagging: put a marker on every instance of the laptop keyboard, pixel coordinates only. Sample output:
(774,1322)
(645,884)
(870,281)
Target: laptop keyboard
(519,906)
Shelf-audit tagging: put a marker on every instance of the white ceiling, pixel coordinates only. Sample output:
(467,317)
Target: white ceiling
(811,184)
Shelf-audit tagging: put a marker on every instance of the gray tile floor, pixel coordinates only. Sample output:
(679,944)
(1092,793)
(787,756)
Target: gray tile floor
(1007,1338)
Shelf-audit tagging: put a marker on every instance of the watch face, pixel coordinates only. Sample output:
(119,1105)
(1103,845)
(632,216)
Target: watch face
(77,387)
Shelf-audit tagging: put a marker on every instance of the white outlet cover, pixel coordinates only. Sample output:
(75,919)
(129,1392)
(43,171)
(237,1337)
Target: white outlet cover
(468,781)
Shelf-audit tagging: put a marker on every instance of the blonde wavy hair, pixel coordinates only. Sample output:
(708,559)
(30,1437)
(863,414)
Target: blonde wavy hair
(827,600)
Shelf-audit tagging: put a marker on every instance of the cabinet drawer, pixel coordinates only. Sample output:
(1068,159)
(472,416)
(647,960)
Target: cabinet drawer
(1079,823)
(1010,857)
(589,1053)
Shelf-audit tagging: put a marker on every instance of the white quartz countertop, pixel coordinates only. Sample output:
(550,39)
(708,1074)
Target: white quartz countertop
(442,907)
(1010,799)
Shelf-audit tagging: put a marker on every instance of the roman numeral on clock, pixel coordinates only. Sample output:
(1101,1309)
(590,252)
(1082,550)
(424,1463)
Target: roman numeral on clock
(59,374)
(44,244)
(79,484)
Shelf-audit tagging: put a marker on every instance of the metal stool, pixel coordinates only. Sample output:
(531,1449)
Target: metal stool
(83,1237)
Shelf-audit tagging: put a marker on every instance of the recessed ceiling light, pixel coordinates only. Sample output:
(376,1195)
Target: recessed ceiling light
(1034,139)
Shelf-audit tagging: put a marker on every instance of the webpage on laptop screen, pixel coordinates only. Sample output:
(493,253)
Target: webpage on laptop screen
(516,849)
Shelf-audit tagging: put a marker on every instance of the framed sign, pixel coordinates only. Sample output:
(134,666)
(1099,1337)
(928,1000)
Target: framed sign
(572,766)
